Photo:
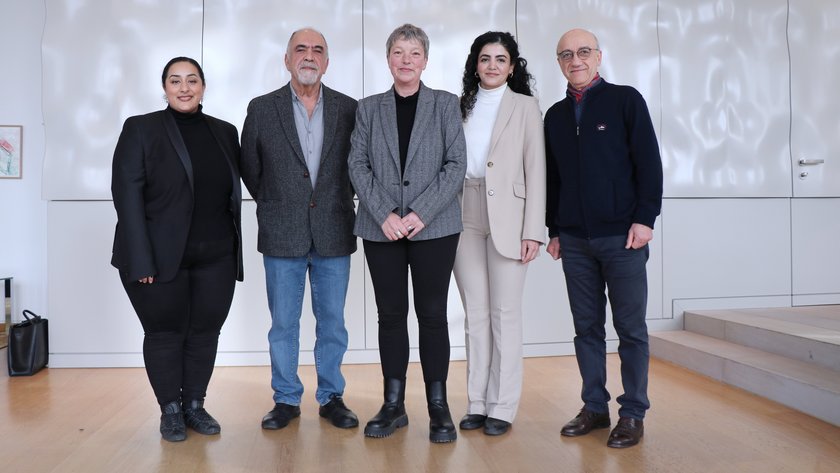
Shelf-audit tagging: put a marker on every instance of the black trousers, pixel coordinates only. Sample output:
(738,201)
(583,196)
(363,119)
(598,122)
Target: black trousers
(431,264)
(182,319)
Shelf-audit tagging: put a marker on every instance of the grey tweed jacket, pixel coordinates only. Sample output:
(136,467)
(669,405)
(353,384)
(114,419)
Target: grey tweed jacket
(434,169)
(292,216)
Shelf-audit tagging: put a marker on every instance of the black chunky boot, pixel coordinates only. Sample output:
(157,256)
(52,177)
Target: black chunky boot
(198,419)
(392,414)
(441,427)
(172,427)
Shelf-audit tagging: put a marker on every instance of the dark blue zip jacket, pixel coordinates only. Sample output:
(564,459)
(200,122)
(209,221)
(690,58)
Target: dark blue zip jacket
(604,173)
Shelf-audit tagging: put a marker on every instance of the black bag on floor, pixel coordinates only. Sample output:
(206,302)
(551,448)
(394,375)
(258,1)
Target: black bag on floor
(29,347)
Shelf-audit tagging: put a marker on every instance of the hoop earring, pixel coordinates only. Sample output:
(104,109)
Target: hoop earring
(476,75)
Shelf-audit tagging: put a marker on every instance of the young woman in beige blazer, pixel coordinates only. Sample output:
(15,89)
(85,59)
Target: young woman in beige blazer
(504,224)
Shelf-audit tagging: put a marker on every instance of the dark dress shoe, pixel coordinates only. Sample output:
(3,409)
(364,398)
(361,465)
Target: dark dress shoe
(585,422)
(472,422)
(495,426)
(172,427)
(198,419)
(338,413)
(280,416)
(627,432)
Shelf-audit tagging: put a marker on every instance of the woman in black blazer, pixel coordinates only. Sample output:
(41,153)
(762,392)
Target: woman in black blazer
(176,190)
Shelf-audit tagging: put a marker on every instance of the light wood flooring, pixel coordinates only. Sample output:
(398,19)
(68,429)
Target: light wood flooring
(106,420)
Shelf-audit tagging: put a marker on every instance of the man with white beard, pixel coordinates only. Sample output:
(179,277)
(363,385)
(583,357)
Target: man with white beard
(295,144)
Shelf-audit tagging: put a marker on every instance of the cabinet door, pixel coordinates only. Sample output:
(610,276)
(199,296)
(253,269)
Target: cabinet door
(814,37)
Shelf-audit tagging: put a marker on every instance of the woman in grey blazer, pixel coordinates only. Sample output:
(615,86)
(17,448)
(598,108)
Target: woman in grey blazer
(407,164)
(504,224)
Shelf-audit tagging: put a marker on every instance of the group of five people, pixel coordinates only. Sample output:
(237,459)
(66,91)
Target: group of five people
(444,185)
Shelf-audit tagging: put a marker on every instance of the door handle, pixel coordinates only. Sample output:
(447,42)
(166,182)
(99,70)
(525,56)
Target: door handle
(811,162)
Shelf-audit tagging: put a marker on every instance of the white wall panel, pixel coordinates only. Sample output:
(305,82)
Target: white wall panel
(92,322)
(816,251)
(245,44)
(726,248)
(626,31)
(102,64)
(451,25)
(725,98)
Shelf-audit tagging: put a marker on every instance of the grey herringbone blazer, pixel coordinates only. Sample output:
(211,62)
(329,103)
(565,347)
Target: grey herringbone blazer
(434,168)
(292,216)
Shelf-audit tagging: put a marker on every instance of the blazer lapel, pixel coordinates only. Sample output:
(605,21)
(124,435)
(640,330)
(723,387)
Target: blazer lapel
(330,121)
(503,116)
(285,112)
(388,115)
(178,143)
(424,115)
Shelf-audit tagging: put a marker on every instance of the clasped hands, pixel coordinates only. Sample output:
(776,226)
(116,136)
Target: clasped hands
(395,228)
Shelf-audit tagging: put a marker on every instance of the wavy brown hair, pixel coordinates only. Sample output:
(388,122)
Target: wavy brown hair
(520,82)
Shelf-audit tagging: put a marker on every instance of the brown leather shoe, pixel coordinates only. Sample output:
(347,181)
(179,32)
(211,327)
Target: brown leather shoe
(627,432)
(585,422)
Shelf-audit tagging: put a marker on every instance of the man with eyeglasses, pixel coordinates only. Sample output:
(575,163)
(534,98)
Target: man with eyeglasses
(603,196)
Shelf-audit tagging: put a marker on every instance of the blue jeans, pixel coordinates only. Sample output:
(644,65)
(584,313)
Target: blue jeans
(591,266)
(285,280)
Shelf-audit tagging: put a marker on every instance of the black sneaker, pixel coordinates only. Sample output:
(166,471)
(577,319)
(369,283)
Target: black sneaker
(172,427)
(198,419)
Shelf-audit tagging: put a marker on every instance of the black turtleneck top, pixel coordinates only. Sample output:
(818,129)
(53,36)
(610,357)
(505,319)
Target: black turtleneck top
(212,179)
(406,110)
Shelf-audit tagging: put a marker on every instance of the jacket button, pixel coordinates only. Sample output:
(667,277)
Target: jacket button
(491,192)
(306,174)
(405,183)
(312,205)
(490,164)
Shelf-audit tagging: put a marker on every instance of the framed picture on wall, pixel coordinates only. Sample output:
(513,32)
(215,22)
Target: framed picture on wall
(11,148)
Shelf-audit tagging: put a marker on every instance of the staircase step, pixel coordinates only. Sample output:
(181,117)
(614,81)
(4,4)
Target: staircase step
(811,337)
(804,386)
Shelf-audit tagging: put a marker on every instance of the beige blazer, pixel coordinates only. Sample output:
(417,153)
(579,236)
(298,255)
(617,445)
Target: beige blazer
(515,176)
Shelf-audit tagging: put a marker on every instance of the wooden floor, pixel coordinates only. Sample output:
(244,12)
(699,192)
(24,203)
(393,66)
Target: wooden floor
(106,420)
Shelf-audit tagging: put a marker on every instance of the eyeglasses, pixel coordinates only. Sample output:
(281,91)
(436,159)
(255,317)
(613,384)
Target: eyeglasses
(582,53)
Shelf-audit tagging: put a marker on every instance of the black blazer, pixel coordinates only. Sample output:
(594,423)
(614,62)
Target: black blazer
(152,188)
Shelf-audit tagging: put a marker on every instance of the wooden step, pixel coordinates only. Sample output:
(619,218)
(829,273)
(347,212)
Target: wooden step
(805,334)
(801,385)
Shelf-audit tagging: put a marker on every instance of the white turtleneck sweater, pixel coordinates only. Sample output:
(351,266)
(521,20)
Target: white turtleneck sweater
(479,127)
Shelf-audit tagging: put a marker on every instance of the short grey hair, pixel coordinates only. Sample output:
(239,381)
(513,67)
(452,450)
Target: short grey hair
(408,32)
(308,28)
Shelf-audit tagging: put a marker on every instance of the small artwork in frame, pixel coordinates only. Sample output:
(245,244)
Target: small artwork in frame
(11,148)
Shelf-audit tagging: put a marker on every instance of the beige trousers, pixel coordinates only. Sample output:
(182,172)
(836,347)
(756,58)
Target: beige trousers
(491,289)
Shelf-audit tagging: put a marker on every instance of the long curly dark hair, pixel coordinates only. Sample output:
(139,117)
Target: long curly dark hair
(519,82)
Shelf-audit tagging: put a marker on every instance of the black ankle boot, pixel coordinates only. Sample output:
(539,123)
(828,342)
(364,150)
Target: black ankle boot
(441,428)
(172,427)
(199,419)
(392,414)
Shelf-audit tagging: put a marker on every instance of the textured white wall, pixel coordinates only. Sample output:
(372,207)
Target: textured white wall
(731,85)
(23,215)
